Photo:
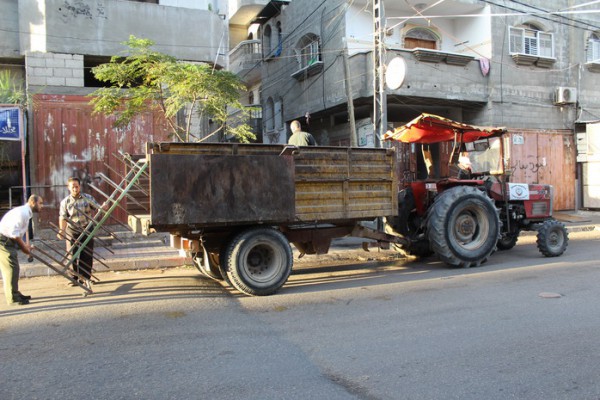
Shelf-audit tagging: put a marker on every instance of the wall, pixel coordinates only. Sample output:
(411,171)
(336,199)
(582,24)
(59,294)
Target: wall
(67,140)
(98,27)
(48,69)
(9,26)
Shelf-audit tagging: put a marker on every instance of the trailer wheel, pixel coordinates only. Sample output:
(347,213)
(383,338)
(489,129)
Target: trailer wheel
(508,240)
(213,271)
(552,238)
(258,261)
(463,226)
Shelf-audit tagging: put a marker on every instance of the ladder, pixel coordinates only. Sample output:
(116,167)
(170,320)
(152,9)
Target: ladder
(62,263)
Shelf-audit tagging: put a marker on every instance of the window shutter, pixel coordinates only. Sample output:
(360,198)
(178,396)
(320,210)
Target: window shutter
(546,45)
(593,51)
(515,40)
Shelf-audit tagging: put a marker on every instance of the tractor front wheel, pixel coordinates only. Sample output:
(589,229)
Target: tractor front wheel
(552,238)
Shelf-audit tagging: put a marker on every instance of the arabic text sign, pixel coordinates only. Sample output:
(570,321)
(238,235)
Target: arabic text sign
(10,124)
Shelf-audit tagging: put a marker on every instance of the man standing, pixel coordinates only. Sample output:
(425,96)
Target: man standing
(74,215)
(13,226)
(300,138)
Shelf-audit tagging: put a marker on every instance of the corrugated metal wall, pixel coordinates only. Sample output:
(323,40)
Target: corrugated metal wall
(69,141)
(545,157)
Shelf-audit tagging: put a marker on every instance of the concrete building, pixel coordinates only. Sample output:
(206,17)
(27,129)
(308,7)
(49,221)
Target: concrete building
(532,66)
(52,46)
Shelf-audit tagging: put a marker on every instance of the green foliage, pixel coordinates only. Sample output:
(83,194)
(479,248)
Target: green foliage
(11,88)
(149,80)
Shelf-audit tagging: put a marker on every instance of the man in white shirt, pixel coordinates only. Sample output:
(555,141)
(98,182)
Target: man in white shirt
(13,227)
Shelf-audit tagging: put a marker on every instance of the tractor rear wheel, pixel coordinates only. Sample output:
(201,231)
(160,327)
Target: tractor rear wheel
(552,238)
(463,226)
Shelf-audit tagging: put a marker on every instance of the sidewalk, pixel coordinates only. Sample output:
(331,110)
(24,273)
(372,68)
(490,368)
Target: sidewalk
(139,252)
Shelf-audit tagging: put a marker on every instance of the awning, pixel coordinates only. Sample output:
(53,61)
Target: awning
(429,128)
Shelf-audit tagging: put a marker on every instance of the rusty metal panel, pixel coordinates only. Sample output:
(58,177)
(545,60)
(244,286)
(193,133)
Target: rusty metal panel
(67,140)
(556,153)
(195,190)
(545,158)
(330,183)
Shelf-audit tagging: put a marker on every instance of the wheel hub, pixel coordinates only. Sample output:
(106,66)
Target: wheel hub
(259,261)
(465,227)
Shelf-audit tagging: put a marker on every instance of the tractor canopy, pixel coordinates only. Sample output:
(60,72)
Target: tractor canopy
(429,128)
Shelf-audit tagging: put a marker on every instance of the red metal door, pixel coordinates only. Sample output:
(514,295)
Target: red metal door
(69,141)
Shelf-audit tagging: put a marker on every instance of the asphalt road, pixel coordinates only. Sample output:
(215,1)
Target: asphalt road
(519,327)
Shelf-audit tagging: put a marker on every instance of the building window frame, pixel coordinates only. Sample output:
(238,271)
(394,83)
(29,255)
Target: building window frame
(529,44)
(308,56)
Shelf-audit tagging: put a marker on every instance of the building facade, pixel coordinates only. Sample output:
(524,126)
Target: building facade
(529,66)
(52,45)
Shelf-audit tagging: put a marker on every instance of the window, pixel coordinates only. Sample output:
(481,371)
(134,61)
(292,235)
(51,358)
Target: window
(308,56)
(267,41)
(279,40)
(279,123)
(307,51)
(593,49)
(270,115)
(420,38)
(530,40)
(251,98)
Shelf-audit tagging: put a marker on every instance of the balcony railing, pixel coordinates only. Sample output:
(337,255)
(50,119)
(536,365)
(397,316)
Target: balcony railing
(245,57)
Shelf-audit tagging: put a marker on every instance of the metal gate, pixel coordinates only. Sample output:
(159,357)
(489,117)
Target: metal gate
(68,140)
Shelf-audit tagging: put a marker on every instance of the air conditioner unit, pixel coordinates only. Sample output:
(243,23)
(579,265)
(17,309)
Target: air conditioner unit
(565,95)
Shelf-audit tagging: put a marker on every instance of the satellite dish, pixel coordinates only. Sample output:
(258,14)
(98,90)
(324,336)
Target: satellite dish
(395,73)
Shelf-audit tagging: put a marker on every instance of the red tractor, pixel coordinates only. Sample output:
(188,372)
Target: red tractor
(464,209)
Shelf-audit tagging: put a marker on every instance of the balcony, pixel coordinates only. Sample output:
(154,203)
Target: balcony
(437,56)
(245,59)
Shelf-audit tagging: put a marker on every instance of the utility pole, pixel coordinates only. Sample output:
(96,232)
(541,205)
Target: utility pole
(353,139)
(379,97)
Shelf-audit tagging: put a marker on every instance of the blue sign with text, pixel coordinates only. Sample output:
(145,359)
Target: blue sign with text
(10,128)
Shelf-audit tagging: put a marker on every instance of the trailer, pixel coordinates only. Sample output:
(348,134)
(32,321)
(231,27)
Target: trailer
(237,207)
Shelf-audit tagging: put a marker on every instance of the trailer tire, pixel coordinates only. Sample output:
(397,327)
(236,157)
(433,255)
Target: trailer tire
(508,240)
(214,270)
(258,261)
(552,238)
(463,226)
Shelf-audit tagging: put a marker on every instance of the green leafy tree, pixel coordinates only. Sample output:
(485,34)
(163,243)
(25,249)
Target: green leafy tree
(11,88)
(147,79)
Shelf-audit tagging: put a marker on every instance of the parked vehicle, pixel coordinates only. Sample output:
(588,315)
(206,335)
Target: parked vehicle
(463,213)
(236,208)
